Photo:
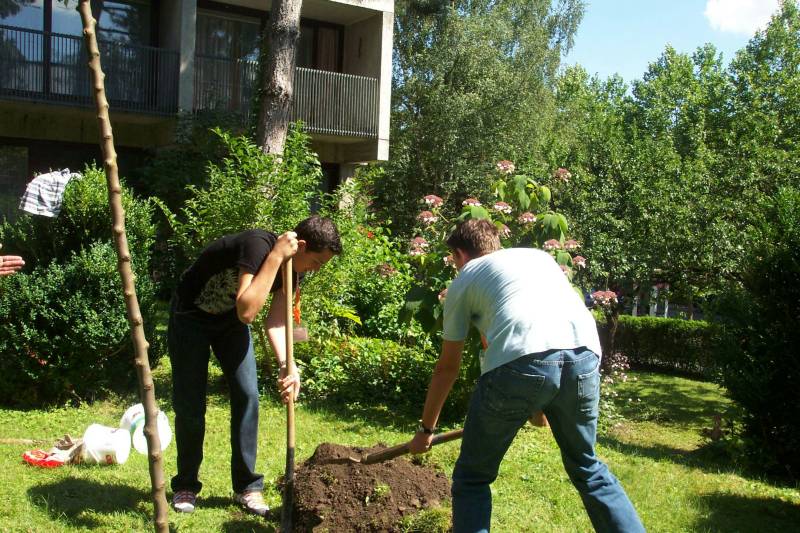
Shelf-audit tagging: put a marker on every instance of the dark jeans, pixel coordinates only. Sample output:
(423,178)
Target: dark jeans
(191,336)
(566,385)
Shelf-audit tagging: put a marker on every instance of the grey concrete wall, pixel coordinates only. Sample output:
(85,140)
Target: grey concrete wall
(69,124)
(362,47)
(384,113)
(377,5)
(368,52)
(177,31)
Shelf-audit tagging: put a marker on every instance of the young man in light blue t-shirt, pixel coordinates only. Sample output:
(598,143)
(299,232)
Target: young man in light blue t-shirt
(543,354)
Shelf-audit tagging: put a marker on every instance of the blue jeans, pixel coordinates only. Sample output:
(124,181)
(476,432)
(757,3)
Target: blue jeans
(191,336)
(565,384)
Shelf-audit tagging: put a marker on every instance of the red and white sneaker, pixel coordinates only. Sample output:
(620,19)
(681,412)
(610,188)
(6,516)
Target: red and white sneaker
(184,501)
(253,502)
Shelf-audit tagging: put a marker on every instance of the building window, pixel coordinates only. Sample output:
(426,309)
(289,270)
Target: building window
(225,64)
(13,178)
(22,14)
(227,37)
(226,56)
(125,22)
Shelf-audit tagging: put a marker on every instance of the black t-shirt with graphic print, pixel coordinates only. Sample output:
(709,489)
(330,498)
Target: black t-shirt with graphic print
(211,282)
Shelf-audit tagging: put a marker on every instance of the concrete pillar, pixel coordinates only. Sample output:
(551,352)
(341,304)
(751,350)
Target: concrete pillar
(347,171)
(385,84)
(653,300)
(368,52)
(177,32)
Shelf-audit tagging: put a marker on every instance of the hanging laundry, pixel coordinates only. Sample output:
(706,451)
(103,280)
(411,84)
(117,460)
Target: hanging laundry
(44,194)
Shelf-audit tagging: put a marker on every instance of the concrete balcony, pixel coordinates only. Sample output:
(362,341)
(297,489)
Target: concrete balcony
(45,67)
(328,103)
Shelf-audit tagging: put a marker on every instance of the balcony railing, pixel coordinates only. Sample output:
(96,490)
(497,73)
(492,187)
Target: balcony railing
(327,102)
(51,67)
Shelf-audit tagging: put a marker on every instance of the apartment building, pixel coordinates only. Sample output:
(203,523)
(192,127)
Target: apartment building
(165,57)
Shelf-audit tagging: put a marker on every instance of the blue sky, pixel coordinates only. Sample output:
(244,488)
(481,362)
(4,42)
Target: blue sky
(624,36)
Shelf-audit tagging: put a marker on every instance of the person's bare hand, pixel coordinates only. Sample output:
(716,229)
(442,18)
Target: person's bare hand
(421,443)
(286,246)
(10,264)
(289,383)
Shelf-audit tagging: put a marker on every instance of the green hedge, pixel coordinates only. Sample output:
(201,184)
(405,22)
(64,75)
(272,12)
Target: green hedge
(373,371)
(692,347)
(64,334)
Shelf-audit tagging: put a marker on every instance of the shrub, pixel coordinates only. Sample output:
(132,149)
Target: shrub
(248,189)
(692,347)
(362,291)
(84,219)
(372,371)
(66,334)
(170,171)
(762,371)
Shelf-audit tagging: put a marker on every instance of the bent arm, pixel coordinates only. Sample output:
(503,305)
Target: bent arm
(275,323)
(288,378)
(444,375)
(254,289)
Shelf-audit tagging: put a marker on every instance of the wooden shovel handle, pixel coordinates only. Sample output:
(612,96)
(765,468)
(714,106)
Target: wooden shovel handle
(288,487)
(402,449)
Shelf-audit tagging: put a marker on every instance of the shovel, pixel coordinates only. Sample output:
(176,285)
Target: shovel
(288,487)
(400,449)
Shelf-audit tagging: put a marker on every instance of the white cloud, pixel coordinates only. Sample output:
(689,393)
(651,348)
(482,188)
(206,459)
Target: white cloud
(740,16)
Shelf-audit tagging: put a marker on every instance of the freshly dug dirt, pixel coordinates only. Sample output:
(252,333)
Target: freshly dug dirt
(333,495)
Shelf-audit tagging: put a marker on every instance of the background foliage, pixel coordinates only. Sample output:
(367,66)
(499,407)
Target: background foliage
(472,85)
(762,370)
(68,337)
(247,189)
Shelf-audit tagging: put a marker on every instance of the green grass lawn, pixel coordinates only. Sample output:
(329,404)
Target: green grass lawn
(676,480)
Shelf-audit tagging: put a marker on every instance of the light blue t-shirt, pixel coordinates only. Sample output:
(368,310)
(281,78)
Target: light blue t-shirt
(522,302)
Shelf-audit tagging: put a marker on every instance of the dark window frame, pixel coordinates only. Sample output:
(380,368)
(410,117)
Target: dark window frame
(263,16)
(155,8)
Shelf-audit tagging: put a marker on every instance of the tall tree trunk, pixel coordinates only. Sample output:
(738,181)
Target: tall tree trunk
(146,388)
(277,75)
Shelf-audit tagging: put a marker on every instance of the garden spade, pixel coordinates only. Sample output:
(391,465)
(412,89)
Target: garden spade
(400,449)
(288,486)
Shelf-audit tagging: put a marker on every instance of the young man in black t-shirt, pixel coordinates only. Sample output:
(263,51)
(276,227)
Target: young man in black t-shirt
(217,298)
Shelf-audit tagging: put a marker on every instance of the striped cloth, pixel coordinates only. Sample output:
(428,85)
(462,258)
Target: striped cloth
(44,194)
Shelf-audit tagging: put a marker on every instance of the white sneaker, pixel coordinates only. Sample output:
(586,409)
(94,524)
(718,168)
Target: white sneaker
(253,502)
(184,501)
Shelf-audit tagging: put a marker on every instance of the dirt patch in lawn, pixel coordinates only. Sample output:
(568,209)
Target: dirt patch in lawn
(332,494)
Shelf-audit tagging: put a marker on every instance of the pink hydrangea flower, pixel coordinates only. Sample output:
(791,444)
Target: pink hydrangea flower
(505,167)
(563,174)
(502,207)
(419,246)
(386,270)
(604,298)
(433,200)
(571,244)
(471,201)
(505,231)
(427,217)
(564,269)
(579,261)
(526,218)
(552,244)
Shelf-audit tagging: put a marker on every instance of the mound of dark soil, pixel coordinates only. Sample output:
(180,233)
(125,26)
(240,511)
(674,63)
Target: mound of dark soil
(333,494)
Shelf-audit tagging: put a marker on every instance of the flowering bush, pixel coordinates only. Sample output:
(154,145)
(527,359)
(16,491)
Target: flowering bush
(614,372)
(520,208)
(604,299)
